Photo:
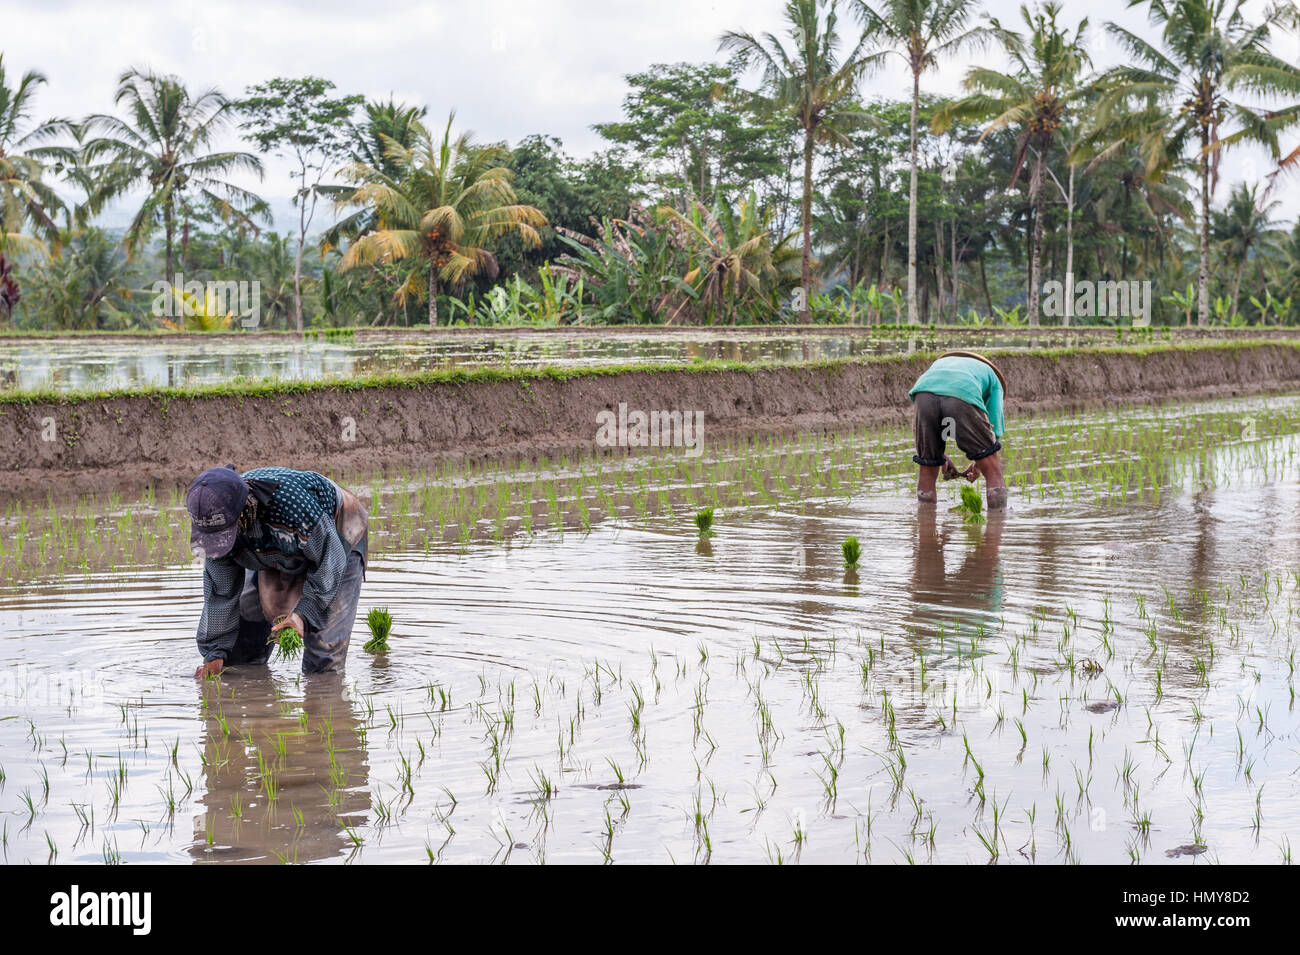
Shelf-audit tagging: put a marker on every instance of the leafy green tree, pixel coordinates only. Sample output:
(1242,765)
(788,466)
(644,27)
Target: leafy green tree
(163,146)
(1244,226)
(921,32)
(86,286)
(812,84)
(1036,98)
(572,195)
(687,117)
(278,271)
(28,205)
(384,122)
(448,204)
(736,266)
(302,121)
(1174,100)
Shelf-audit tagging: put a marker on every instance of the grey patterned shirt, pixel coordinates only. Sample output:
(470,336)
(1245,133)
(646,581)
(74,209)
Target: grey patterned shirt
(294,534)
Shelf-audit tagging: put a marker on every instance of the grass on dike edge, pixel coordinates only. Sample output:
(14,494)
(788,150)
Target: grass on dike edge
(270,387)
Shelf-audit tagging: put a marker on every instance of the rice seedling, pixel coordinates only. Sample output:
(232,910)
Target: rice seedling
(852,551)
(971,505)
(350,831)
(289,643)
(111,854)
(704,522)
(380,622)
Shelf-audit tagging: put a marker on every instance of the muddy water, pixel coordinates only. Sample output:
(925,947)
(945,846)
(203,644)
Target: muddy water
(69,365)
(638,695)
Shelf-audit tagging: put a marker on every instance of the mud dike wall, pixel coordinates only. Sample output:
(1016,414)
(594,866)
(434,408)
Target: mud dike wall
(124,440)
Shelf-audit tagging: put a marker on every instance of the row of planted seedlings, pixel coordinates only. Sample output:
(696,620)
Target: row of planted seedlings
(1098,457)
(1115,703)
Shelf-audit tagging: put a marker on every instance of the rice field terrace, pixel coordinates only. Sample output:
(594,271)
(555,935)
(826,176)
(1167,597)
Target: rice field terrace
(90,363)
(674,659)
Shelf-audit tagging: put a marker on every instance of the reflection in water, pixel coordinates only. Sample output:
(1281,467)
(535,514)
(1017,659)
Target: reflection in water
(970,594)
(526,679)
(310,753)
(72,364)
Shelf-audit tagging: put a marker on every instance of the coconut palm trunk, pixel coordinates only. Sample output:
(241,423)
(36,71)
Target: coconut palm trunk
(956,306)
(805,316)
(938,271)
(1203,279)
(913,318)
(297,264)
(433,296)
(169,233)
(1236,283)
(1069,252)
(1036,243)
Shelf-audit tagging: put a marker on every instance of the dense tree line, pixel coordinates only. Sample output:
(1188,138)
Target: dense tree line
(763,187)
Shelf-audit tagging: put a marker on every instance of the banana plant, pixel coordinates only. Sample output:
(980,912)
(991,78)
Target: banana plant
(876,301)
(1186,300)
(1276,307)
(896,300)
(198,314)
(1009,316)
(1223,313)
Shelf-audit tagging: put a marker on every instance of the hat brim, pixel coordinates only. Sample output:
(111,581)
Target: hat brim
(213,544)
(978,357)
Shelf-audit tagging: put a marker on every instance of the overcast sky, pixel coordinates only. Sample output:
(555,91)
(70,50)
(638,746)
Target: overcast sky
(508,67)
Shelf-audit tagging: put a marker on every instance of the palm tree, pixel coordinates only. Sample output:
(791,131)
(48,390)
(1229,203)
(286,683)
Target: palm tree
(25,201)
(1283,79)
(447,202)
(274,264)
(737,264)
(1288,267)
(811,83)
(163,146)
(1175,100)
(86,285)
(1119,198)
(1245,224)
(921,32)
(385,121)
(1036,98)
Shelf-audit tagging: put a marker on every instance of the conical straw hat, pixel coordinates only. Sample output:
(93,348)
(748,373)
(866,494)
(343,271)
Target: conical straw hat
(976,355)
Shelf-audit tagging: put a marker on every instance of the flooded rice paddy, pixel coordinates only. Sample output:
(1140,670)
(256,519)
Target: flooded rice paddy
(71,364)
(1103,675)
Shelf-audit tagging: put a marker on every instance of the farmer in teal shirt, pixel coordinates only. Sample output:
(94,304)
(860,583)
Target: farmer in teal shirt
(960,397)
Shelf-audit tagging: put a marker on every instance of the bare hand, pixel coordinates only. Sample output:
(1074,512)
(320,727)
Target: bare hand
(949,470)
(209,669)
(971,473)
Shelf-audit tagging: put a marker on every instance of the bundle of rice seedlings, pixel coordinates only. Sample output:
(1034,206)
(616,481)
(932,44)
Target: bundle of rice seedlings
(971,506)
(704,521)
(380,622)
(852,552)
(290,643)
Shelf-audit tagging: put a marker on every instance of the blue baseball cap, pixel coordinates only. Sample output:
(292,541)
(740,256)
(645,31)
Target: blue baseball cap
(215,501)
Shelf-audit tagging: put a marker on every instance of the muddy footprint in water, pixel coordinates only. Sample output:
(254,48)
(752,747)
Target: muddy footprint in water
(1107,706)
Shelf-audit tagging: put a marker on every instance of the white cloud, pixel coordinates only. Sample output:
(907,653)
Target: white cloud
(509,67)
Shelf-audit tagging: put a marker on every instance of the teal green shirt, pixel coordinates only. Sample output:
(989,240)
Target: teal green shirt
(968,379)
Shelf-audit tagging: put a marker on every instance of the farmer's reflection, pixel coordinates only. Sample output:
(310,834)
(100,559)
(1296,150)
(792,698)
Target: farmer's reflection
(315,750)
(940,593)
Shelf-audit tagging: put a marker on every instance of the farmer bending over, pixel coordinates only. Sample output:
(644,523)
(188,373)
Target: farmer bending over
(280,546)
(960,396)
